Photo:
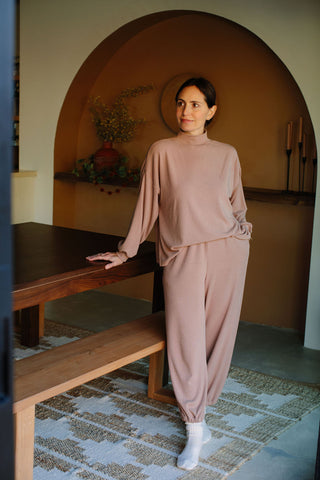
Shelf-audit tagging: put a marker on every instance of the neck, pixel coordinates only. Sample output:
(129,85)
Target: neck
(192,139)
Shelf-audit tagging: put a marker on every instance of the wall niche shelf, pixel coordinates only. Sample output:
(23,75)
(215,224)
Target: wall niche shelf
(265,195)
(71,177)
(279,196)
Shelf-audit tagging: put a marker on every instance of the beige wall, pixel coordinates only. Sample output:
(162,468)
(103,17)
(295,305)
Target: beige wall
(278,269)
(53,47)
(22,197)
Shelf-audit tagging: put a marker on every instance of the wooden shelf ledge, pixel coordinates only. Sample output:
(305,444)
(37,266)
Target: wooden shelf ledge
(279,196)
(71,177)
(265,195)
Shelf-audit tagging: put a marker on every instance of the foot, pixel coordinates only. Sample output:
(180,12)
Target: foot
(189,458)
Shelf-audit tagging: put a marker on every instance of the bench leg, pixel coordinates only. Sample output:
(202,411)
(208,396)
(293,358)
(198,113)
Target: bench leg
(24,443)
(30,326)
(156,391)
(41,319)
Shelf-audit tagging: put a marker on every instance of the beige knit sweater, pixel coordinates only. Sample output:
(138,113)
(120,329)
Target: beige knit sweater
(191,189)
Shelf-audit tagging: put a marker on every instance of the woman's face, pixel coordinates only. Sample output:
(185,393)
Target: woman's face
(192,111)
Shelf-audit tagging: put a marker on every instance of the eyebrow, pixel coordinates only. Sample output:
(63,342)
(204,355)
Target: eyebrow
(191,101)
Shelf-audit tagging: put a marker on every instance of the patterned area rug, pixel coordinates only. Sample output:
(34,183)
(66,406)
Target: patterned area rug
(108,429)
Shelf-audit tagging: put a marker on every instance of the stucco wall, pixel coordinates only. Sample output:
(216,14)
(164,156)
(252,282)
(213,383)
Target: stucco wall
(22,193)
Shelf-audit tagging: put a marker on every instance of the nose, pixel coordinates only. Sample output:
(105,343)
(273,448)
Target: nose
(186,109)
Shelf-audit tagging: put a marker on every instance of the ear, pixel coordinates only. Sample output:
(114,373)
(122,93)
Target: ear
(212,112)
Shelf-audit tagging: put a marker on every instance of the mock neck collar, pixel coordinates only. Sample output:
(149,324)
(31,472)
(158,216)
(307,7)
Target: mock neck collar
(193,139)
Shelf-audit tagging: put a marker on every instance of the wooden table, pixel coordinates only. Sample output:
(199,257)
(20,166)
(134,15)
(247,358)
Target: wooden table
(49,263)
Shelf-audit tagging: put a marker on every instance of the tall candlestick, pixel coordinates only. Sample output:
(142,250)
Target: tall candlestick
(300,129)
(304,146)
(288,167)
(289,150)
(304,158)
(314,150)
(314,162)
(300,149)
(289,135)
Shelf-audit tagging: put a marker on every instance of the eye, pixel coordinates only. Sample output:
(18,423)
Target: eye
(196,105)
(180,103)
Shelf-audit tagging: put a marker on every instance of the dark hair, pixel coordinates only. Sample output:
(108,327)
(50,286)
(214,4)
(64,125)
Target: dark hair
(204,86)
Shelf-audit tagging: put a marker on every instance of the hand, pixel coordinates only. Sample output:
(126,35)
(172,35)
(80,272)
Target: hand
(111,257)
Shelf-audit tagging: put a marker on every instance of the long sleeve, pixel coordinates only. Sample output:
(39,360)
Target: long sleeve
(237,199)
(147,208)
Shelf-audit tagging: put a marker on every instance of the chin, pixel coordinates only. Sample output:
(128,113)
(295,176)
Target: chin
(186,128)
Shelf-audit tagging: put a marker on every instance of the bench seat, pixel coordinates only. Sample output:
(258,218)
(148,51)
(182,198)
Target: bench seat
(47,374)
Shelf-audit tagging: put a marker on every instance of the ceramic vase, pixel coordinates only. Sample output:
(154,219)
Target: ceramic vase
(106,157)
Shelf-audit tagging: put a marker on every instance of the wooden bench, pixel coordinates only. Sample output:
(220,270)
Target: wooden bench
(53,372)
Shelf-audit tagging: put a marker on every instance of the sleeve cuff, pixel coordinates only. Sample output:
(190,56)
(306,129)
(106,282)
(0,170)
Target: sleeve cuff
(123,256)
(247,226)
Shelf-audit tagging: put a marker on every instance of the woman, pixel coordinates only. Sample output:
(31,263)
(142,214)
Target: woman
(191,189)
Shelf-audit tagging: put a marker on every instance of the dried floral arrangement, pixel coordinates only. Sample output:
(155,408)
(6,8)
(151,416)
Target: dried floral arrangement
(114,123)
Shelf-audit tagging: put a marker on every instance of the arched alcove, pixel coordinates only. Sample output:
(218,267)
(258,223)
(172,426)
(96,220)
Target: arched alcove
(257,96)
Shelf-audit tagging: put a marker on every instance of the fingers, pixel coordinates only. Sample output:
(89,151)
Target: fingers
(113,263)
(100,256)
(112,258)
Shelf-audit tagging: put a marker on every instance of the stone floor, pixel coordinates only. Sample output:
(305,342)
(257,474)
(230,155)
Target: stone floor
(269,350)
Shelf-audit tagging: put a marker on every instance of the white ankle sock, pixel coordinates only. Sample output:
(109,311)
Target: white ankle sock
(206,436)
(189,457)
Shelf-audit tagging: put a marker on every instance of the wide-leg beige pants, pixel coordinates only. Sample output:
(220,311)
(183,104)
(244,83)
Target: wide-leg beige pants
(203,289)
